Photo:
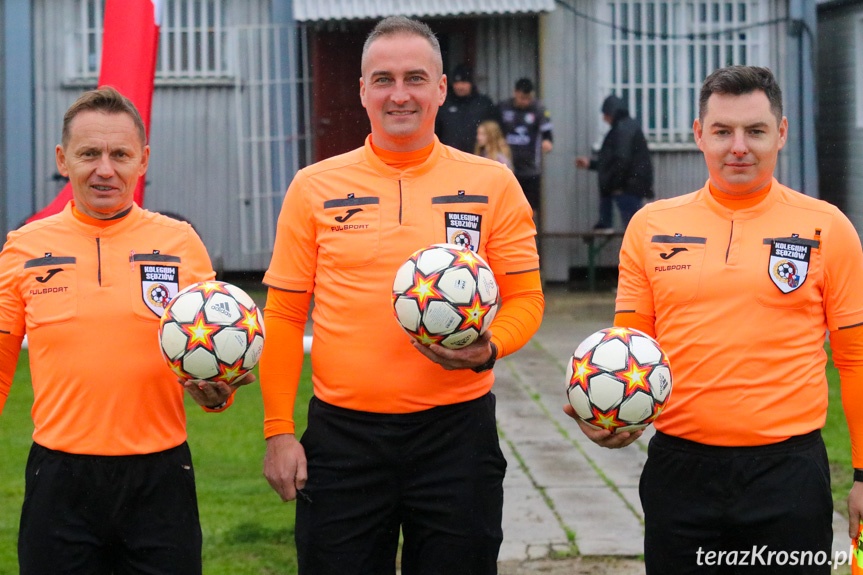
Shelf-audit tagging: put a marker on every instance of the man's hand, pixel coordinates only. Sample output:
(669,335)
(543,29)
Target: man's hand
(546,146)
(582,162)
(855,509)
(604,437)
(467,357)
(214,393)
(285,465)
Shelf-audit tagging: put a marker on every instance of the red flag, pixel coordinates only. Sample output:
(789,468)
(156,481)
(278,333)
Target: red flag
(129,44)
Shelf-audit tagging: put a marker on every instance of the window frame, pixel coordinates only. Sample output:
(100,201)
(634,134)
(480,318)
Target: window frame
(659,72)
(208,45)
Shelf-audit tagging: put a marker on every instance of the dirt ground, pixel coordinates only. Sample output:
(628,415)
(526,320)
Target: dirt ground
(573,566)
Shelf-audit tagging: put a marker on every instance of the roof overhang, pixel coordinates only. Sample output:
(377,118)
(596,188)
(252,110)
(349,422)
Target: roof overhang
(321,10)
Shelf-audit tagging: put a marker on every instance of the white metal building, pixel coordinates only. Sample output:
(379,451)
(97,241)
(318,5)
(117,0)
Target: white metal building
(249,91)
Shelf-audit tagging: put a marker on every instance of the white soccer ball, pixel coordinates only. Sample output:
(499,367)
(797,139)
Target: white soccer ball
(619,379)
(445,294)
(211,330)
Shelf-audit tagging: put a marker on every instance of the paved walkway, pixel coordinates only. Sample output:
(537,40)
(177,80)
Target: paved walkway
(562,492)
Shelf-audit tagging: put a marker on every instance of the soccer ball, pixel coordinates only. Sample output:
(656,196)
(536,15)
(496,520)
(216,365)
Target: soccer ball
(211,330)
(445,294)
(619,379)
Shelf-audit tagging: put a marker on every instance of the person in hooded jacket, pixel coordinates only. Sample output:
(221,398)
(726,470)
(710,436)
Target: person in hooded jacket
(623,165)
(463,111)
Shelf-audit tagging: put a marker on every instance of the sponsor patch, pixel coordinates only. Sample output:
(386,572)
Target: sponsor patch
(463,229)
(159,284)
(788,265)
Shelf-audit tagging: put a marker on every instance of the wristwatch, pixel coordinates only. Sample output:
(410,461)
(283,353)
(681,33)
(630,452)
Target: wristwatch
(490,362)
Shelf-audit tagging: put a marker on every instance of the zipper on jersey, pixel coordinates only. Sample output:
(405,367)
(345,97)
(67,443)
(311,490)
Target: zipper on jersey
(730,239)
(99,260)
(400,202)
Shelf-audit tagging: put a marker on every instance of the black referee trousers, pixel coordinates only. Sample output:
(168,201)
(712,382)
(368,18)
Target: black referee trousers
(110,515)
(436,475)
(722,510)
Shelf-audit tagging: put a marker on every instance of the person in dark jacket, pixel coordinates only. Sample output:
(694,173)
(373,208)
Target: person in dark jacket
(623,165)
(463,111)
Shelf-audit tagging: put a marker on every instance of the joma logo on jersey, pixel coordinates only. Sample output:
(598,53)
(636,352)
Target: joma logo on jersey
(672,253)
(348,215)
(51,273)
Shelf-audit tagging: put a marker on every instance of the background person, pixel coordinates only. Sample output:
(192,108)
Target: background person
(109,482)
(739,282)
(527,126)
(623,165)
(491,144)
(463,111)
(400,437)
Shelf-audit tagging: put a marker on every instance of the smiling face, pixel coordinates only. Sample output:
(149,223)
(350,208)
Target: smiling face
(401,89)
(741,138)
(103,159)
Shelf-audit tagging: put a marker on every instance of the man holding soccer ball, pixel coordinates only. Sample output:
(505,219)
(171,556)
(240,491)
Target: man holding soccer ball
(109,481)
(400,437)
(740,282)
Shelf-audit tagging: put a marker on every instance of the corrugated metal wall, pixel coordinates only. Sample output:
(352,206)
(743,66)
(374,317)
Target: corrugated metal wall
(507,49)
(195,146)
(571,90)
(840,140)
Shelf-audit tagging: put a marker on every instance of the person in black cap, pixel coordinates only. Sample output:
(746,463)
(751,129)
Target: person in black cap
(463,110)
(623,165)
(527,127)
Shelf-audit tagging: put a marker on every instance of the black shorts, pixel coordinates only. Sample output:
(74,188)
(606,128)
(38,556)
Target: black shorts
(437,475)
(710,510)
(111,515)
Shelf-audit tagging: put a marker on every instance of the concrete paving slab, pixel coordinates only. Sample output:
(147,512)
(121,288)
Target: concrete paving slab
(603,510)
(603,524)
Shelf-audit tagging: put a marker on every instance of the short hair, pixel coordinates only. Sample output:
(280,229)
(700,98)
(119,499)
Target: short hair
(398,25)
(108,100)
(739,80)
(524,85)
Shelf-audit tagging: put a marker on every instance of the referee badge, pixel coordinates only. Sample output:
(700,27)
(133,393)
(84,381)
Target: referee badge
(789,262)
(463,229)
(159,284)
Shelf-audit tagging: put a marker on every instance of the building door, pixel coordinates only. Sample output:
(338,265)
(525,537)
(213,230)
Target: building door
(340,121)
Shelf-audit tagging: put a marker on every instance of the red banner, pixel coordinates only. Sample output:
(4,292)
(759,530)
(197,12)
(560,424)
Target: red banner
(129,45)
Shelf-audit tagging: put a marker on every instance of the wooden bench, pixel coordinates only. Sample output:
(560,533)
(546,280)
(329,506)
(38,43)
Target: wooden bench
(596,241)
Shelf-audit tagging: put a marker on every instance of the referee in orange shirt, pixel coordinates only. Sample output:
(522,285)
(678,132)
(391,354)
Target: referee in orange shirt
(110,487)
(740,282)
(400,438)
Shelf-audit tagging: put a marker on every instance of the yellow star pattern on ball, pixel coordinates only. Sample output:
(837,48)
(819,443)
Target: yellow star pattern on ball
(636,377)
(423,289)
(474,314)
(200,333)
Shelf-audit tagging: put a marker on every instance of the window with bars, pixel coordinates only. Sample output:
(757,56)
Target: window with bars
(658,53)
(192,40)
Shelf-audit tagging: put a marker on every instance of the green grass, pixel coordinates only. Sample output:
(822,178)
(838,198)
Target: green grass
(247,529)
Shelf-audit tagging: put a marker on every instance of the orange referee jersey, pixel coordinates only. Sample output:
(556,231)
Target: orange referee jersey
(346,226)
(741,301)
(89,297)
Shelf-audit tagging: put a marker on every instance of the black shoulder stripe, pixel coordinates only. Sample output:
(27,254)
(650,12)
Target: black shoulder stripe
(462,199)
(625,311)
(850,326)
(49,261)
(678,240)
(521,272)
(154,258)
(344,202)
(283,289)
